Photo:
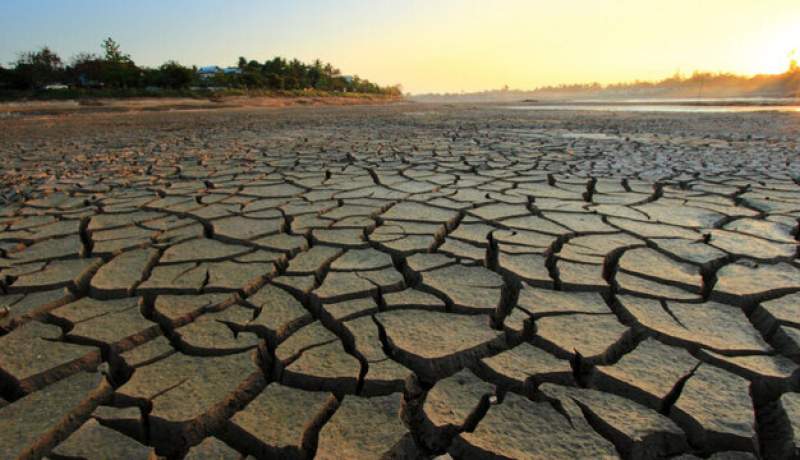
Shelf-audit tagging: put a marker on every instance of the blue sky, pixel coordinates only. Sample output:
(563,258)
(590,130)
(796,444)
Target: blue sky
(193,31)
(427,45)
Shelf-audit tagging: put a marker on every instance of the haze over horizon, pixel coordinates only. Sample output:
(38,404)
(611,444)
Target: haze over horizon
(443,46)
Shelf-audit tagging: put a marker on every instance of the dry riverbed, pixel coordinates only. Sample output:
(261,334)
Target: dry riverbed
(399,281)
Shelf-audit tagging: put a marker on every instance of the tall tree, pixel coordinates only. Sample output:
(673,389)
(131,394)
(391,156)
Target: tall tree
(113,53)
(119,70)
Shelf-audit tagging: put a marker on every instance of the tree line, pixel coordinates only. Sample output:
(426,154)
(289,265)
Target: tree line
(113,69)
(696,86)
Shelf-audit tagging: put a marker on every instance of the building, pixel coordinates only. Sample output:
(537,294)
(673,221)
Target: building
(209,71)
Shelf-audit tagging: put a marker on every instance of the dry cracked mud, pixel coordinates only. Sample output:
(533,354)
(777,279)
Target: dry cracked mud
(410,281)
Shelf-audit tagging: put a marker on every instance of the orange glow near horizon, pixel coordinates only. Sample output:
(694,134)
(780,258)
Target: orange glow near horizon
(525,44)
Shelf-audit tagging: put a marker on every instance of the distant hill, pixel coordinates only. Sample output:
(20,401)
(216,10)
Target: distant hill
(699,85)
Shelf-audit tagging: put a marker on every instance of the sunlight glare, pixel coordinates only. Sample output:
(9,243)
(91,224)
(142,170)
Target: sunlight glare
(774,53)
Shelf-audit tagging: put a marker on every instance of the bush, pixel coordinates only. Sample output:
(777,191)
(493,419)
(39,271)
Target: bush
(174,75)
(5,78)
(37,69)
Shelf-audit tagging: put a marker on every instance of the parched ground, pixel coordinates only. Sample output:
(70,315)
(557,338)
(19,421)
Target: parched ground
(403,281)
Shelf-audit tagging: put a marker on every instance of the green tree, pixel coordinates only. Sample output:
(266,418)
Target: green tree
(116,69)
(275,73)
(316,75)
(5,77)
(113,53)
(36,69)
(86,69)
(119,70)
(331,71)
(296,75)
(174,75)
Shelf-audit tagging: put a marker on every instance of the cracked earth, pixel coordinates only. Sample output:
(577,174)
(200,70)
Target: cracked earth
(399,282)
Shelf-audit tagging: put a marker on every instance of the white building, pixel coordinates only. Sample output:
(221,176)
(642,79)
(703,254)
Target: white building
(209,71)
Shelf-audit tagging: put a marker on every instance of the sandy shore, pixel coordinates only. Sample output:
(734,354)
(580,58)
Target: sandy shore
(397,281)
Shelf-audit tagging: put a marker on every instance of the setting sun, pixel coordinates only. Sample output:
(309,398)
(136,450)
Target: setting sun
(772,50)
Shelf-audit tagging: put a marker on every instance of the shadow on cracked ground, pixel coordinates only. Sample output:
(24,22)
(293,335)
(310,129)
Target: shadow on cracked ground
(400,281)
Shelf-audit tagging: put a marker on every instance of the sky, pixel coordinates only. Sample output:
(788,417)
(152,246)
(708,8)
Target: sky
(427,45)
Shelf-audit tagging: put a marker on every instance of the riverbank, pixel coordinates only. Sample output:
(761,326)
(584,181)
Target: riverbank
(163,104)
